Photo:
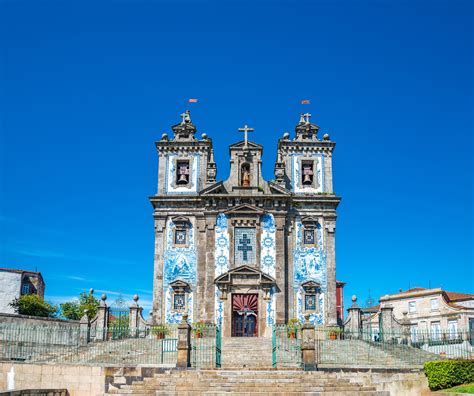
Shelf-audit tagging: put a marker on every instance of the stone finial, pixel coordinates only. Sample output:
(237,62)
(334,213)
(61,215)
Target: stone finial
(286,136)
(136,298)
(204,136)
(164,136)
(91,291)
(326,137)
(354,298)
(103,297)
(306,318)
(185,317)
(302,120)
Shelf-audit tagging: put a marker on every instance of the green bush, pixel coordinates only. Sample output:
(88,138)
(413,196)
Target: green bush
(444,374)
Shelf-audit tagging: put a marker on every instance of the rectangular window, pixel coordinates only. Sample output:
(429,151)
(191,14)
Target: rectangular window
(244,246)
(414,333)
(182,174)
(434,304)
(179,301)
(310,302)
(180,237)
(435,331)
(308,237)
(412,307)
(452,329)
(25,289)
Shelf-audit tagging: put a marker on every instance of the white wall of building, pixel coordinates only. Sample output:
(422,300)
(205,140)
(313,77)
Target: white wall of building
(10,284)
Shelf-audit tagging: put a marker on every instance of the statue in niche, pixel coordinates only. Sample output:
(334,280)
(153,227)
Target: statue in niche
(245,176)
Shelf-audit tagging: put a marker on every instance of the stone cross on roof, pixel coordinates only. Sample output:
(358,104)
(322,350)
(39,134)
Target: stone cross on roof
(245,130)
(185,117)
(307,116)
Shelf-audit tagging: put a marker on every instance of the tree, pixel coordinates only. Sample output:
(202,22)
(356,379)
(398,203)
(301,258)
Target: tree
(33,305)
(75,310)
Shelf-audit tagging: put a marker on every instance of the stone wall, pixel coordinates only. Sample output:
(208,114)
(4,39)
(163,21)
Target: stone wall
(78,380)
(10,283)
(25,320)
(397,382)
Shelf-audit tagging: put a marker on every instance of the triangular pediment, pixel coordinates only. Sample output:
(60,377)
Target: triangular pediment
(179,284)
(245,209)
(310,283)
(250,144)
(278,189)
(217,188)
(245,271)
(180,219)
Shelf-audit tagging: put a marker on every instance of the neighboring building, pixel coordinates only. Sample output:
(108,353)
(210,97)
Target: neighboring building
(431,312)
(340,302)
(15,283)
(245,252)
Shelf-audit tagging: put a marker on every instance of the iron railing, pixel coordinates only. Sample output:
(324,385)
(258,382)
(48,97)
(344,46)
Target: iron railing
(205,346)
(286,346)
(65,344)
(390,348)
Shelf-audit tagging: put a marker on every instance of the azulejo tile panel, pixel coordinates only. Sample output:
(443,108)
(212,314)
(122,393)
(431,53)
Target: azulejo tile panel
(309,263)
(221,257)
(245,246)
(179,263)
(267,245)
(171,187)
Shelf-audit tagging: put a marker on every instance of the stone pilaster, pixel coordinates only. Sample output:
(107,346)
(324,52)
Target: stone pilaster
(200,300)
(184,343)
(331,315)
(102,320)
(308,345)
(158,292)
(209,291)
(134,318)
(386,316)
(290,268)
(280,273)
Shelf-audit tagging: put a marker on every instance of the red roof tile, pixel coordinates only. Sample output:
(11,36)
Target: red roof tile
(454,296)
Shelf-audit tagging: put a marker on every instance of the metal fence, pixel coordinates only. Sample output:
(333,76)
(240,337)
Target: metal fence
(388,348)
(70,345)
(205,346)
(286,347)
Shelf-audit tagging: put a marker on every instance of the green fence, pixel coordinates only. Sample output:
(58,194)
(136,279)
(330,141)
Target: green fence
(70,345)
(205,346)
(286,347)
(388,348)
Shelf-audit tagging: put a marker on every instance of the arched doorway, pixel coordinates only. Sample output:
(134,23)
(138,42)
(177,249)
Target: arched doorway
(244,315)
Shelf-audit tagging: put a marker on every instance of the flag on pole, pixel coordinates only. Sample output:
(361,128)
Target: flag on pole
(305,101)
(192,100)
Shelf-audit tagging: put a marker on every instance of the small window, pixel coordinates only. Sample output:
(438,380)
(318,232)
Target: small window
(25,289)
(435,331)
(182,175)
(307,174)
(179,301)
(310,302)
(412,307)
(308,237)
(414,333)
(180,237)
(452,329)
(434,304)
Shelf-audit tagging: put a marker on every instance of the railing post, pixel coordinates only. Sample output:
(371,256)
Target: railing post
(308,349)
(102,319)
(184,343)
(355,318)
(133,318)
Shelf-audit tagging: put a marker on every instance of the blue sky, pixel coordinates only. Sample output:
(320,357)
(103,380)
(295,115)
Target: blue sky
(86,88)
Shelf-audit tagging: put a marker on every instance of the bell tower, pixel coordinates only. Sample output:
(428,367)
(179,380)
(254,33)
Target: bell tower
(186,164)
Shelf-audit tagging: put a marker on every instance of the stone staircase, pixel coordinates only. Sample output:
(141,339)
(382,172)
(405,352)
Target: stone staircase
(244,382)
(246,352)
(359,353)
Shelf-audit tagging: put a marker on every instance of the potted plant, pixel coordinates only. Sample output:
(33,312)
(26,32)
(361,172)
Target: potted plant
(198,328)
(334,333)
(292,327)
(160,331)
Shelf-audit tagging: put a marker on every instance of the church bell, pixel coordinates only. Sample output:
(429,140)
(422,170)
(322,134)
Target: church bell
(182,179)
(307,179)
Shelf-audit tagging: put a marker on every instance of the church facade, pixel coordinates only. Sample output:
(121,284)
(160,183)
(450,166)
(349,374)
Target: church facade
(244,253)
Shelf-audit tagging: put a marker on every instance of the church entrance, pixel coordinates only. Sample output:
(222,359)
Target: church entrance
(244,315)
